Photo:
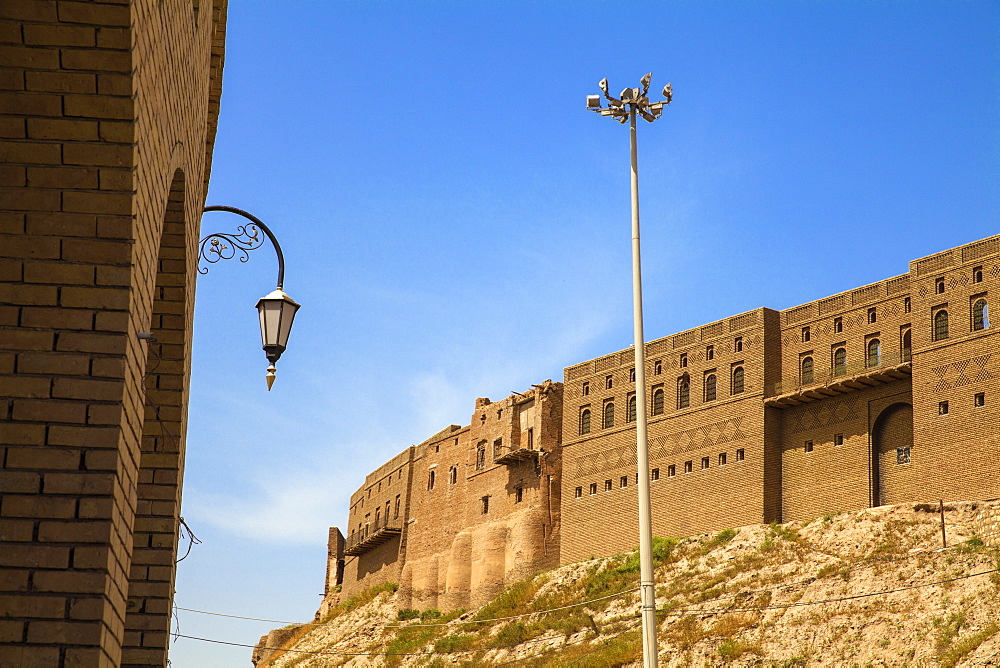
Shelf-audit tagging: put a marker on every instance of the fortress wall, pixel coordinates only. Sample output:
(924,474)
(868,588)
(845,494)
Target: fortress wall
(458,499)
(459,552)
(832,477)
(957,454)
(710,498)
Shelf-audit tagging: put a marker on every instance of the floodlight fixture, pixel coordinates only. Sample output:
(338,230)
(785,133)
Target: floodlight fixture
(593,101)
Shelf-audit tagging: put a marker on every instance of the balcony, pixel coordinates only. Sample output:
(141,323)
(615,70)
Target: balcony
(839,380)
(371,535)
(509,455)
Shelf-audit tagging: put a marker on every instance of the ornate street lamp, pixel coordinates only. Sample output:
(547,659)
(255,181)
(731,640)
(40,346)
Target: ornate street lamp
(633,102)
(276,309)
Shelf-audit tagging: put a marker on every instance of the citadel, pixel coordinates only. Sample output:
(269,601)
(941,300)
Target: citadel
(882,394)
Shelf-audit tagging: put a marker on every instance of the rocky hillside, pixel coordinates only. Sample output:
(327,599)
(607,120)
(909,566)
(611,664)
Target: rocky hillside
(866,588)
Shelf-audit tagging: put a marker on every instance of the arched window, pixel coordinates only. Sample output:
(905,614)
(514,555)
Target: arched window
(658,368)
(839,362)
(683,391)
(874,353)
(585,421)
(737,380)
(710,387)
(453,475)
(609,415)
(807,370)
(658,402)
(941,325)
(905,347)
(630,416)
(980,315)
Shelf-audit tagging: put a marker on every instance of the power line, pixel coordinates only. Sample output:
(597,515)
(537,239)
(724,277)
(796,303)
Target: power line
(540,612)
(329,653)
(669,613)
(410,626)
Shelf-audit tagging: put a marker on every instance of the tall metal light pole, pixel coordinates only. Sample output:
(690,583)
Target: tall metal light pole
(634,101)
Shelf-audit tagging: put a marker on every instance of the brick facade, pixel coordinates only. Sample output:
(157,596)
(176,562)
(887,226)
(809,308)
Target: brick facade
(107,120)
(850,401)
(478,507)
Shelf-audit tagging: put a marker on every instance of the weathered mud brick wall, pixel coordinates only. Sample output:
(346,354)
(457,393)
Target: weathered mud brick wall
(107,118)
(471,509)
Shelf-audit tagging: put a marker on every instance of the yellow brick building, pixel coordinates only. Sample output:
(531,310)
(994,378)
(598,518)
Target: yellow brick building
(107,119)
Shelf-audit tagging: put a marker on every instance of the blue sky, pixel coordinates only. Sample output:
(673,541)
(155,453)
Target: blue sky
(456,224)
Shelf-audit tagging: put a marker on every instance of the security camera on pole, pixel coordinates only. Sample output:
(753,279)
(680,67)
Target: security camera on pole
(633,102)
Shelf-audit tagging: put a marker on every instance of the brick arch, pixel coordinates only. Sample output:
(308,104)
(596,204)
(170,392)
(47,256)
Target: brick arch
(893,429)
(161,465)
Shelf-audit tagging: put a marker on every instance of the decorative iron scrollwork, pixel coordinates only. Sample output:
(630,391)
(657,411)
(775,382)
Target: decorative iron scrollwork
(222,246)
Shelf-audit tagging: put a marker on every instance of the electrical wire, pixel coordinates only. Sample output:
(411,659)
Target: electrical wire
(410,626)
(192,541)
(540,612)
(330,653)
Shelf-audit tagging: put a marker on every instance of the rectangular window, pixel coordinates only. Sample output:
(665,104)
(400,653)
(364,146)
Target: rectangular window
(518,494)
(903,455)
(631,375)
(722,459)
(872,315)
(654,474)
(531,438)
(710,352)
(738,344)
(578,492)
(608,485)
(671,471)
(497,447)
(838,325)
(805,335)
(430,479)
(838,439)
(907,306)
(808,446)
(979,399)
(486,504)
(942,408)
(740,455)
(704,463)
(688,467)
(623,482)
(593,488)
(481,456)
(585,390)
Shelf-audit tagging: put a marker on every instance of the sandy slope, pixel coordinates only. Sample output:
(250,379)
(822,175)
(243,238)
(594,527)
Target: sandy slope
(862,588)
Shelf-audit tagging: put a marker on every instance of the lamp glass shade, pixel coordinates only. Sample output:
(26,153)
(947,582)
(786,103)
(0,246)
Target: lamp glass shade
(277,311)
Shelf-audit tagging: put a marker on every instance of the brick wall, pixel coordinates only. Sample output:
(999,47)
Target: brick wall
(794,442)
(480,506)
(105,133)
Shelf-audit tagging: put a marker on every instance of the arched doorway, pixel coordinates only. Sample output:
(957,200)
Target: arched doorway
(892,444)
